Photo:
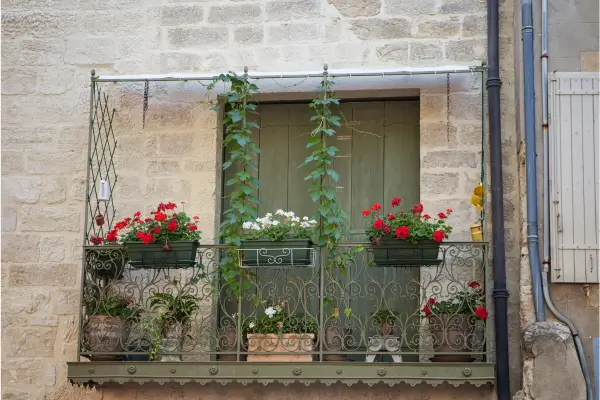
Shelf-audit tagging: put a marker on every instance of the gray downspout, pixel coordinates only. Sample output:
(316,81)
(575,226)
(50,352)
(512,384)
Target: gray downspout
(531,159)
(546,245)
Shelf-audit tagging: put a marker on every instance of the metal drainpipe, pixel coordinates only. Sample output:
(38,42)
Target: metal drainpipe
(546,244)
(500,294)
(533,239)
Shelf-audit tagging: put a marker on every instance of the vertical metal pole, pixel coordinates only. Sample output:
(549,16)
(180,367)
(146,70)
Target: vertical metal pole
(321,338)
(86,211)
(500,293)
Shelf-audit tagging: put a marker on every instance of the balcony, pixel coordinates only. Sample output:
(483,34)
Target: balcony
(347,320)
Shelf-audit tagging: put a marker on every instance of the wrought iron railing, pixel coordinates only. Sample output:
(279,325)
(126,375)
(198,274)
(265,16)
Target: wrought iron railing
(359,312)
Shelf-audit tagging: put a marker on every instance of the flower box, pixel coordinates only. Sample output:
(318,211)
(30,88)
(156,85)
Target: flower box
(175,254)
(401,252)
(287,252)
(296,346)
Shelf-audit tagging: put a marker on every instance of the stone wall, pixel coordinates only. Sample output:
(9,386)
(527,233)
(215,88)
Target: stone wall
(48,51)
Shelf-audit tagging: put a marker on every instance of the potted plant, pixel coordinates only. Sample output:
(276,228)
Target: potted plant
(401,238)
(164,239)
(278,331)
(452,322)
(106,261)
(108,324)
(173,320)
(280,239)
(386,320)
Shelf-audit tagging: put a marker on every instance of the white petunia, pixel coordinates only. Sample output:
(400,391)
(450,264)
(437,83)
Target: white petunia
(312,222)
(289,214)
(256,227)
(305,225)
(280,212)
(270,312)
(251,325)
(268,215)
(275,223)
(247,225)
(295,219)
(304,218)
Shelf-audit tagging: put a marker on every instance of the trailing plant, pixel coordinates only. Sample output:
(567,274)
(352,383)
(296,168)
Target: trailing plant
(242,149)
(163,225)
(283,225)
(323,178)
(414,226)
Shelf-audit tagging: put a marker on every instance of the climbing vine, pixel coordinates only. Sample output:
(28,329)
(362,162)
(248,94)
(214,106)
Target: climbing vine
(323,178)
(242,150)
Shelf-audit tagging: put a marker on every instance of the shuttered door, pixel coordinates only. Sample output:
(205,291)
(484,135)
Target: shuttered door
(574,142)
(378,160)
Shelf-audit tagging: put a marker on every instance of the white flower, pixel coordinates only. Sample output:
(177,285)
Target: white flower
(295,219)
(312,222)
(270,312)
(247,225)
(278,308)
(275,223)
(268,215)
(233,315)
(251,325)
(305,225)
(256,226)
(280,212)
(289,214)
(304,218)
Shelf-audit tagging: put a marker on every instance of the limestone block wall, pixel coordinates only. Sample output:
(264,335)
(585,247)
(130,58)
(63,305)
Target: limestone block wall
(48,51)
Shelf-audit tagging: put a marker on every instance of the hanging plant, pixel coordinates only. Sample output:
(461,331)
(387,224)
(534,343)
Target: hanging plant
(323,177)
(237,139)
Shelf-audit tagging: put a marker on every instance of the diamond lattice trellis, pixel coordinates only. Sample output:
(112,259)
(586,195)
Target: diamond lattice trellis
(100,164)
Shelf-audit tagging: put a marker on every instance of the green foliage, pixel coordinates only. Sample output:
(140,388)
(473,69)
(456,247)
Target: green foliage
(277,319)
(113,306)
(469,301)
(283,225)
(237,139)
(174,309)
(323,177)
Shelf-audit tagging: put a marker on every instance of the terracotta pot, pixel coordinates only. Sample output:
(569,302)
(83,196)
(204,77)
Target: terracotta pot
(451,333)
(99,219)
(105,334)
(294,344)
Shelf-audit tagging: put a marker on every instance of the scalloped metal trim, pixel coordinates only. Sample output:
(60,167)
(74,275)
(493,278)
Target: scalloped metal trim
(348,373)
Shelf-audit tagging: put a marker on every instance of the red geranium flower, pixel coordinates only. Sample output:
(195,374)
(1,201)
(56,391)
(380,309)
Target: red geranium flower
(426,216)
(112,236)
(137,214)
(148,220)
(193,228)
(172,225)
(402,232)
(439,236)
(196,217)
(474,285)
(378,224)
(156,229)
(442,215)
(161,207)
(96,240)
(376,207)
(391,216)
(396,201)
(481,312)
(170,206)
(366,213)
(449,211)
(159,216)
(427,311)
(145,237)
(386,229)
(431,300)
(417,208)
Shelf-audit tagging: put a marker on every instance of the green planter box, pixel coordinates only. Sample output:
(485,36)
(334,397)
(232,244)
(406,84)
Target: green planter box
(396,252)
(153,255)
(265,253)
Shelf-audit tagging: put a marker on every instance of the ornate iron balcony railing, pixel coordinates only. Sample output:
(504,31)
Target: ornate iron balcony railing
(417,317)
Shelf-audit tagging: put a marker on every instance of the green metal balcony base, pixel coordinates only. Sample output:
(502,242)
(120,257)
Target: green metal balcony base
(328,373)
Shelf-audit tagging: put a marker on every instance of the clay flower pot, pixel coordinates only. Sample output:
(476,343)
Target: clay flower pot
(99,219)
